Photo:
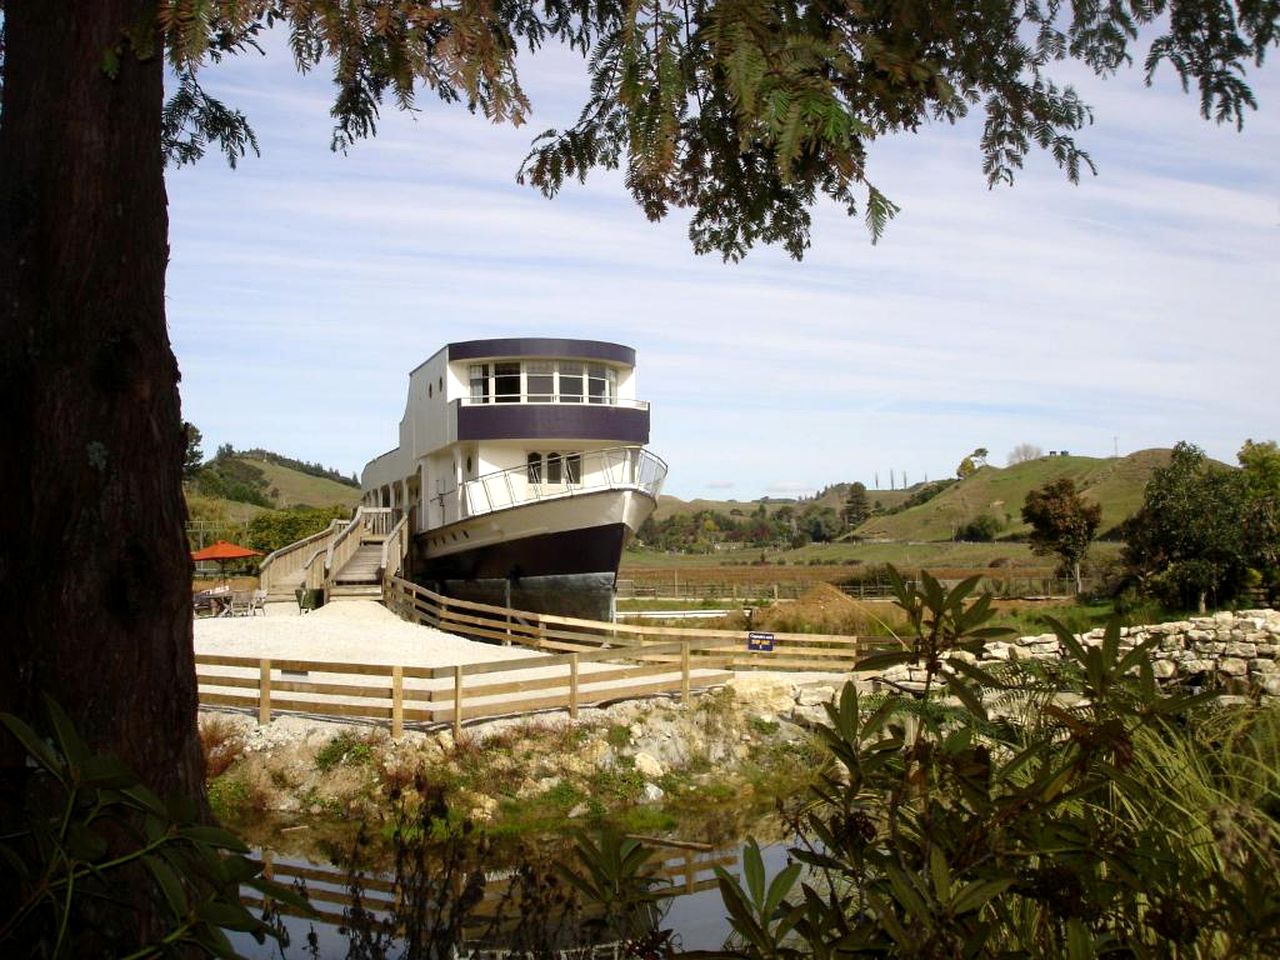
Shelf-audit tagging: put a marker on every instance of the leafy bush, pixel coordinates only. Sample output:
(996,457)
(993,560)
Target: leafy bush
(981,529)
(1041,810)
(94,846)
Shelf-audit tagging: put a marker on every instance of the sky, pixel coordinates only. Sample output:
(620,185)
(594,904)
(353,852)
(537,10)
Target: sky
(1134,310)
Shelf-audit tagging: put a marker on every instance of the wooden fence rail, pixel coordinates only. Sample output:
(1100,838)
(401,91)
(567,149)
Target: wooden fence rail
(580,663)
(731,649)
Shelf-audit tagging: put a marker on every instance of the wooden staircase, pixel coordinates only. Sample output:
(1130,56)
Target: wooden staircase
(360,577)
(347,560)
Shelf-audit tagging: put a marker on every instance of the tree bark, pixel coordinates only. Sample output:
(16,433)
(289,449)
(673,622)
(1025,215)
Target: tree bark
(94,568)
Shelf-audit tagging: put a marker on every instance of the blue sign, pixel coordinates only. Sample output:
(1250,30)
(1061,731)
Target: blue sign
(759,641)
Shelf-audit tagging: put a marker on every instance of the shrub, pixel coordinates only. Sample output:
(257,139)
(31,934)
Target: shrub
(1041,810)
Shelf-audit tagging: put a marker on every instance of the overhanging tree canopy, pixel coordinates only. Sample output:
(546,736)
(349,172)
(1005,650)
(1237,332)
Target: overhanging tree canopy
(743,112)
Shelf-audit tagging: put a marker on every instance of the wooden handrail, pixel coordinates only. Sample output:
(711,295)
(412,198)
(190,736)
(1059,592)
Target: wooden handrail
(395,548)
(294,556)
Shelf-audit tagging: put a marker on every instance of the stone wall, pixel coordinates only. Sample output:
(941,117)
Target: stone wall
(1241,646)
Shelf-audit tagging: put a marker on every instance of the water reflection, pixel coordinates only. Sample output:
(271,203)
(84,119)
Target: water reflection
(443,897)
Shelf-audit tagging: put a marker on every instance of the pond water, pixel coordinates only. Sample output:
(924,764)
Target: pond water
(455,900)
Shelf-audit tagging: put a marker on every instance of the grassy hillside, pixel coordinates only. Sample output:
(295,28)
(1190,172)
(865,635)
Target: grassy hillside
(1116,484)
(292,488)
(833,497)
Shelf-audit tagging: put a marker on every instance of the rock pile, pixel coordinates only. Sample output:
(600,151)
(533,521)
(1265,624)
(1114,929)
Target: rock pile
(1241,646)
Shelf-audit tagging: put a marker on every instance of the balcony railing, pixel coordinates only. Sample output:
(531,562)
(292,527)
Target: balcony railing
(615,468)
(541,399)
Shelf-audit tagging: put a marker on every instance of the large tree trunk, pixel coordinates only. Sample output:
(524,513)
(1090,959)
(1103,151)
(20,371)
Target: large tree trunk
(94,569)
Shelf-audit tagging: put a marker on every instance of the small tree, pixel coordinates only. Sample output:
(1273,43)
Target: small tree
(966,469)
(979,456)
(1188,539)
(1062,523)
(194,457)
(856,505)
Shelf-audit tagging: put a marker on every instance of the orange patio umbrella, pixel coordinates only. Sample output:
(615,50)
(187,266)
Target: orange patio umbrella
(222,551)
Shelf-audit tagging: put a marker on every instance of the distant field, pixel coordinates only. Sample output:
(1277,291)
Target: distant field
(298,488)
(669,506)
(944,554)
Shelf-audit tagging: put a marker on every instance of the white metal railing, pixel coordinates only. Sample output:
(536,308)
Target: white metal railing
(580,400)
(614,468)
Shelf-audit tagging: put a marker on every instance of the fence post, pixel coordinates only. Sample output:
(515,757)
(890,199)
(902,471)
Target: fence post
(264,692)
(397,702)
(457,702)
(684,672)
(573,686)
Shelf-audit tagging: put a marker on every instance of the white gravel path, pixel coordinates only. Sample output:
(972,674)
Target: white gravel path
(354,631)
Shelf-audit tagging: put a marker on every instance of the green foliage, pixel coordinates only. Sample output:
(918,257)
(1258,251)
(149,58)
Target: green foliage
(742,112)
(983,528)
(228,478)
(347,749)
(194,456)
(274,529)
(1042,810)
(857,506)
(1062,523)
(1187,543)
(966,469)
(616,874)
(89,822)
(922,495)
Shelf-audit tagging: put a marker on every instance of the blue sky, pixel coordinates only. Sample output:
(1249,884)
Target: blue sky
(1134,310)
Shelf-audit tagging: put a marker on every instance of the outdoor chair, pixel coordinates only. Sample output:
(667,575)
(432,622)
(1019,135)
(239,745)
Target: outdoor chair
(259,602)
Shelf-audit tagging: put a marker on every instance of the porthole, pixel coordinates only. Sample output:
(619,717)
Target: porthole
(468,464)
(428,390)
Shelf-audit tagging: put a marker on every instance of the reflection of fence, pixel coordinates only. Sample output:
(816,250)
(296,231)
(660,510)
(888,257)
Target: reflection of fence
(329,887)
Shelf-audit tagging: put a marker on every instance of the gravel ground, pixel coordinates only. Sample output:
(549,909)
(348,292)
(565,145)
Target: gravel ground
(354,631)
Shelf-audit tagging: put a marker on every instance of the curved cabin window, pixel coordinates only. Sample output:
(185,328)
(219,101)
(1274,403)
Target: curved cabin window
(602,383)
(571,381)
(540,376)
(554,473)
(533,468)
(573,468)
(479,383)
(506,382)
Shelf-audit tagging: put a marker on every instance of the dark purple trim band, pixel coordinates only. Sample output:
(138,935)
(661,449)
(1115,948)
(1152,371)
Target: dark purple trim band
(542,347)
(552,421)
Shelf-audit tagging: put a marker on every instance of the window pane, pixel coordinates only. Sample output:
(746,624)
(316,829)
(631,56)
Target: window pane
(573,468)
(480,382)
(541,380)
(533,468)
(506,382)
(553,468)
(596,383)
(570,382)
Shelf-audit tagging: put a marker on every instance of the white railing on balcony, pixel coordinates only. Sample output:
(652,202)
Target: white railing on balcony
(615,468)
(579,400)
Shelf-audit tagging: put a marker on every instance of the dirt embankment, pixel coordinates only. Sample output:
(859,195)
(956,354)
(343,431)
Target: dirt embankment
(730,754)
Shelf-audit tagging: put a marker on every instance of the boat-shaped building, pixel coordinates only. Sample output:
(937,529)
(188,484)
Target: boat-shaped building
(523,470)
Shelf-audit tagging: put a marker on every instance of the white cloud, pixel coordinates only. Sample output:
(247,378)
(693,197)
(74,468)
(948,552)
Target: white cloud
(1140,305)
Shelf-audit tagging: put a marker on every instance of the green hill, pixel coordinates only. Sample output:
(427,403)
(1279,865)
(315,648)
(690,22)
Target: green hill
(833,496)
(287,487)
(1116,484)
